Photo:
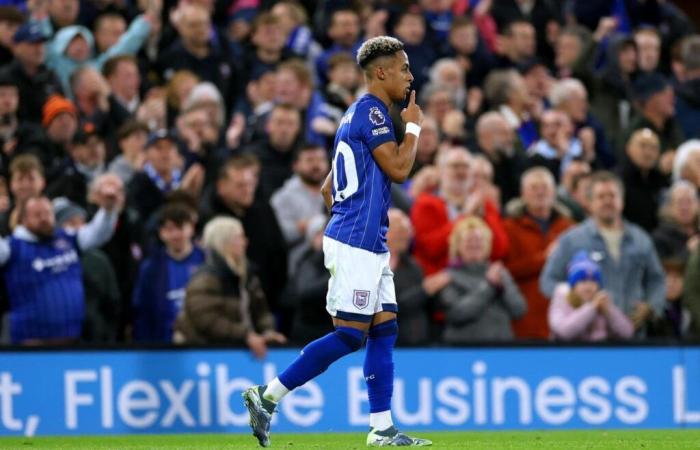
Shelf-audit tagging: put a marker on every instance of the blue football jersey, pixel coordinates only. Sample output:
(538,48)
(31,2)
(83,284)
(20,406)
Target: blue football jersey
(361,190)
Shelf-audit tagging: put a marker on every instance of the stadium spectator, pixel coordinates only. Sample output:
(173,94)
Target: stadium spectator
(60,122)
(43,273)
(582,311)
(195,51)
(618,246)
(131,143)
(344,79)
(573,49)
(224,301)
(299,199)
(481,173)
(159,293)
(85,162)
(558,146)
(308,286)
(294,86)
(572,189)
(612,93)
(686,165)
(518,43)
(277,150)
(10,21)
(292,19)
(688,90)
(448,73)
(571,97)
(73,46)
(466,45)
(344,32)
(233,194)
(691,292)
(26,180)
(676,318)
(539,81)
(122,75)
(679,231)
(648,44)
(199,132)
(410,28)
(655,98)
(435,213)
(16,136)
(496,141)
(63,13)
(102,296)
(161,175)
(506,92)
(177,90)
(267,45)
(109,28)
(642,180)
(544,15)
(92,95)
(428,143)
(533,225)
(414,293)
(481,298)
(35,81)
(437,101)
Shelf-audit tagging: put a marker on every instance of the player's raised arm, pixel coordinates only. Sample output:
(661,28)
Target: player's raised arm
(397,160)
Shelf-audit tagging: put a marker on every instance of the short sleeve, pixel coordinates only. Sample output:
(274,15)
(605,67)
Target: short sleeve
(377,127)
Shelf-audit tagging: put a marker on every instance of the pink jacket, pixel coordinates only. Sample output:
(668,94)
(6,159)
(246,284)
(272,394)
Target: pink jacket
(585,323)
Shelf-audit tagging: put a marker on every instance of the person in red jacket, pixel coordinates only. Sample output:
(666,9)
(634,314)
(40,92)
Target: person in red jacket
(435,213)
(533,226)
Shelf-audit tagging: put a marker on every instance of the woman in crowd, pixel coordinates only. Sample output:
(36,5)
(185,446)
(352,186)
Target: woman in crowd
(224,301)
(482,298)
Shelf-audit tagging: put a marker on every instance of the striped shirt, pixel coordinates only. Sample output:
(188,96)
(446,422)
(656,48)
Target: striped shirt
(361,190)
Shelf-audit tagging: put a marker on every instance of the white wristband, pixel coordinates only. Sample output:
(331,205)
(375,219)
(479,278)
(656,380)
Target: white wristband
(413,128)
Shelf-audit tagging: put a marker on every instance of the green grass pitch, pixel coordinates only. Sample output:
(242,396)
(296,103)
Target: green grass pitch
(565,440)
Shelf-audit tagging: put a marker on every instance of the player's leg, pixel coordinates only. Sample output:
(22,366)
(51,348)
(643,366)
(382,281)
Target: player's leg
(379,370)
(353,283)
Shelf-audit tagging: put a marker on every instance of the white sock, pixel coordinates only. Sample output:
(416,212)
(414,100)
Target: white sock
(275,391)
(381,420)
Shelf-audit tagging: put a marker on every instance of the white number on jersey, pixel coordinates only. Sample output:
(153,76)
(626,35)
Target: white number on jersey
(350,170)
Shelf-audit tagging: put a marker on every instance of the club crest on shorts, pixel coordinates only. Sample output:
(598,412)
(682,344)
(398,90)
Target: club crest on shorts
(360,299)
(376,116)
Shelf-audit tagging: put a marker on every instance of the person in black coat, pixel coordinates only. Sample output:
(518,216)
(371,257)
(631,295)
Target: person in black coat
(642,180)
(276,151)
(308,288)
(234,194)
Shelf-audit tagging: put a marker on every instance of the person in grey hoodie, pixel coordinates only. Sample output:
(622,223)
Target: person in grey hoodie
(482,298)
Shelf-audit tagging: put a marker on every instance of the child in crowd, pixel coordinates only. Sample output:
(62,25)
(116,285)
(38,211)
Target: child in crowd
(581,310)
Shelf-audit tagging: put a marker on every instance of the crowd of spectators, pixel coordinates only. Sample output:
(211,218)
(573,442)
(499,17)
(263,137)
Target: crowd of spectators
(161,164)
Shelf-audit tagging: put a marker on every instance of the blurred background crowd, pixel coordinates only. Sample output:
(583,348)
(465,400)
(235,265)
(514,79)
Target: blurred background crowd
(161,160)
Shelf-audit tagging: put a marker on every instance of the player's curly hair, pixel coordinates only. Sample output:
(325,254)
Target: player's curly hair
(377,47)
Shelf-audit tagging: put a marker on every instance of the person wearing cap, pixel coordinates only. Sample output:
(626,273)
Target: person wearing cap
(102,296)
(10,20)
(619,247)
(42,269)
(60,122)
(656,104)
(161,174)
(581,310)
(33,79)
